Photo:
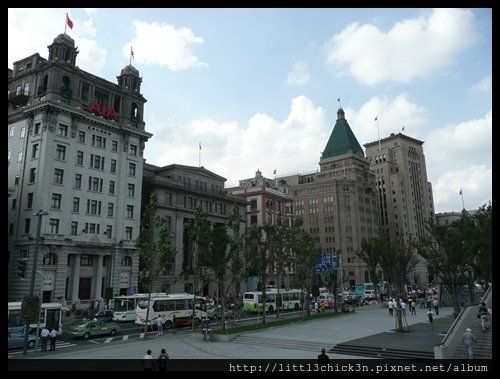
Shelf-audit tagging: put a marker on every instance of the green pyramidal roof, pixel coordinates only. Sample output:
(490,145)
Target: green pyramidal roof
(342,139)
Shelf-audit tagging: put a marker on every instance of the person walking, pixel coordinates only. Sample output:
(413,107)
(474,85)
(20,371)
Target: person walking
(390,305)
(159,323)
(323,358)
(431,318)
(148,362)
(162,360)
(484,315)
(435,304)
(53,336)
(44,336)
(468,339)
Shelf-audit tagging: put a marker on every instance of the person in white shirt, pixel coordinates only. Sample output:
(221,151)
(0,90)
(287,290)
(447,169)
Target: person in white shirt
(44,336)
(53,336)
(390,305)
(159,323)
(148,361)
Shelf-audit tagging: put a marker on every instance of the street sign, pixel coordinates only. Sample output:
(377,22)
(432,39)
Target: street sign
(325,263)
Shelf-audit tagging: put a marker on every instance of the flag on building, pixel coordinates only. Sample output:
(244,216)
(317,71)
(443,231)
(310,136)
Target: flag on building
(338,99)
(376,118)
(274,172)
(403,129)
(460,191)
(131,52)
(200,145)
(69,22)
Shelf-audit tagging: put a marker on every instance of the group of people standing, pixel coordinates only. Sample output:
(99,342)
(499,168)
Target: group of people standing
(46,336)
(149,363)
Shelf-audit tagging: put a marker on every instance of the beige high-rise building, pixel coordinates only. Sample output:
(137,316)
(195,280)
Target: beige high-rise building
(338,203)
(404,193)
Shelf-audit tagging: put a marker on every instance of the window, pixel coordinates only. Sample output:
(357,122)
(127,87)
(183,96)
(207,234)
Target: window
(56,201)
(58,176)
(133,149)
(11,228)
(37,128)
(111,187)
(131,169)
(61,152)
(126,261)
(96,161)
(54,226)
(34,150)
(78,181)
(10,151)
(74,228)
(128,232)
(27,223)
(110,209)
(16,180)
(76,204)
(86,260)
(109,231)
(23,132)
(113,165)
(30,200)
(32,175)
(95,184)
(131,190)
(50,259)
(130,211)
(11,132)
(79,158)
(26,89)
(18,89)
(114,145)
(20,156)
(62,130)
(14,203)
(98,141)
(81,137)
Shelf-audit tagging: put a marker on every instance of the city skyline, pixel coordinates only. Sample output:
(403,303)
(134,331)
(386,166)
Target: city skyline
(241,90)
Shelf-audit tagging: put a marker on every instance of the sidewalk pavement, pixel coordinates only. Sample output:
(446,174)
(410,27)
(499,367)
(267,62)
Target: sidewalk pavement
(366,321)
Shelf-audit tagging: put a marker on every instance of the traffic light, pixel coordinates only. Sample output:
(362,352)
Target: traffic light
(22,268)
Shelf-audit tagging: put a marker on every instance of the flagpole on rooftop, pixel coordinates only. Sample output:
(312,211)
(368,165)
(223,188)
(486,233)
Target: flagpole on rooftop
(65,23)
(378,130)
(199,155)
(462,195)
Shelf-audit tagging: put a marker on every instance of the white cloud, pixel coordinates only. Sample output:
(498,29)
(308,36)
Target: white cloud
(413,48)
(484,86)
(299,75)
(164,45)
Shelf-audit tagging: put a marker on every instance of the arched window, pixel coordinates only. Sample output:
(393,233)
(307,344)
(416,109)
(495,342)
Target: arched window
(135,112)
(127,261)
(50,259)
(45,82)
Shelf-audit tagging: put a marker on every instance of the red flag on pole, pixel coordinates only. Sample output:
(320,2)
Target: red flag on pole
(69,22)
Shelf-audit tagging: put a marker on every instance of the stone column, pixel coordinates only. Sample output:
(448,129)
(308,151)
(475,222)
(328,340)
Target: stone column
(98,278)
(76,278)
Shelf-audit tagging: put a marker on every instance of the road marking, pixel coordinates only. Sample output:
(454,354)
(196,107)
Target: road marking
(125,337)
(91,341)
(108,340)
(59,345)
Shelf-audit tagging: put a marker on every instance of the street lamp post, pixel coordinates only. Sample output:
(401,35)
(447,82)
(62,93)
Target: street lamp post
(40,214)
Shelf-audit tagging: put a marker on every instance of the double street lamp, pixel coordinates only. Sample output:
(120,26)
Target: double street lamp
(40,214)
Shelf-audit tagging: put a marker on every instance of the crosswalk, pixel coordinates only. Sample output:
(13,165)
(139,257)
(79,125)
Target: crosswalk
(59,345)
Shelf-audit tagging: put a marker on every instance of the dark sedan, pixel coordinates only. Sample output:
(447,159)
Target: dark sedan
(100,316)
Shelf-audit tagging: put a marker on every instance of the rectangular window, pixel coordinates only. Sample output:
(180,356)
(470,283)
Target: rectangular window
(27,223)
(114,145)
(16,180)
(113,165)
(62,130)
(110,209)
(79,158)
(34,151)
(131,169)
(30,200)
(74,228)
(20,156)
(54,226)
(58,176)
(27,89)
(131,190)
(76,204)
(11,132)
(128,232)
(85,92)
(130,211)
(112,187)
(37,128)
(11,228)
(86,260)
(23,132)
(14,203)
(109,231)
(78,181)
(61,152)
(81,137)
(133,149)
(56,201)
(98,141)
(32,175)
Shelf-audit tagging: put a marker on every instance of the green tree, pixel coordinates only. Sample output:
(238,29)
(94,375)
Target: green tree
(482,243)
(370,253)
(154,249)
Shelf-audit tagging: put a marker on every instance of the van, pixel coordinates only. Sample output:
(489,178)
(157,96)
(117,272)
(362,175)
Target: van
(328,299)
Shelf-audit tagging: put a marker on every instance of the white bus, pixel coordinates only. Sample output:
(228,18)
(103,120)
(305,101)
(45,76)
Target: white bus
(124,306)
(50,316)
(288,299)
(169,306)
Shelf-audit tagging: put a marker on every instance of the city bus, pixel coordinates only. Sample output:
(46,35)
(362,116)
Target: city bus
(288,299)
(366,290)
(51,315)
(169,306)
(124,306)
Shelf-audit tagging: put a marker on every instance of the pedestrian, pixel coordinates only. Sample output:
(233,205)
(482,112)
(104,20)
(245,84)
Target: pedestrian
(162,360)
(483,314)
(323,359)
(159,323)
(173,324)
(431,318)
(435,304)
(468,339)
(44,336)
(53,336)
(148,362)
(390,305)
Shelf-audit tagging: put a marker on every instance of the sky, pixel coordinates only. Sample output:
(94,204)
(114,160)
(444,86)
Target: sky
(241,90)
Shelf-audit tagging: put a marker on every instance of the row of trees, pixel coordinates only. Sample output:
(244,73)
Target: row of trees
(457,254)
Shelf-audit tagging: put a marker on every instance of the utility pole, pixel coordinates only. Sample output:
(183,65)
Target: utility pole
(40,214)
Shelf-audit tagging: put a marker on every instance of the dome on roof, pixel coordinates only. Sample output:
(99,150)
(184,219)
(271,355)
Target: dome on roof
(130,70)
(64,38)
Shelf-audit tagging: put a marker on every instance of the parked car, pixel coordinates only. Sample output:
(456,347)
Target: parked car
(215,312)
(88,329)
(16,340)
(100,316)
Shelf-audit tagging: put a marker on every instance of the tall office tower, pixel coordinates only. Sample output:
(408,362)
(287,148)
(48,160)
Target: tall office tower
(404,193)
(76,145)
(338,203)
